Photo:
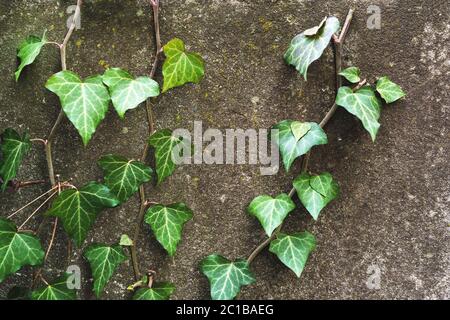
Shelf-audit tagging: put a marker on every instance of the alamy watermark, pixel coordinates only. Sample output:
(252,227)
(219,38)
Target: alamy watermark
(374,20)
(230,146)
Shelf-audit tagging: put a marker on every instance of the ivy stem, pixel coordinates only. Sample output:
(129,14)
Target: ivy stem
(151,129)
(338,41)
(37,210)
(30,203)
(48,141)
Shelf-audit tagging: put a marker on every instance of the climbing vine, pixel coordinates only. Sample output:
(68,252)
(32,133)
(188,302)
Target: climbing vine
(295,139)
(84,102)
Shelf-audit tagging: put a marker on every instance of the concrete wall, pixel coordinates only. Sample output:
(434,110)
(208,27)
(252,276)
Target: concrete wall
(393,211)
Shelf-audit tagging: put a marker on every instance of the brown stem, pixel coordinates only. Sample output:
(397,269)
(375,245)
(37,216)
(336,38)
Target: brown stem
(151,129)
(338,41)
(48,144)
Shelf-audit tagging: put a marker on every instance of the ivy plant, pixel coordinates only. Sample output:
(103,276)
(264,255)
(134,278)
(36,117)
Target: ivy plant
(296,138)
(85,102)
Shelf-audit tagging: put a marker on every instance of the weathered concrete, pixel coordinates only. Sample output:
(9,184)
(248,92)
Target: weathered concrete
(393,212)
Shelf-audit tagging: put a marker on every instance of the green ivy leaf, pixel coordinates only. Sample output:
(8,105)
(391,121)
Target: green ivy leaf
(122,176)
(290,147)
(315,192)
(84,102)
(293,250)
(55,291)
(352,74)
(164,143)
(159,291)
(28,51)
(14,148)
(167,223)
(78,208)
(104,261)
(226,277)
(389,90)
(300,129)
(181,67)
(17,249)
(364,104)
(271,211)
(308,46)
(126,91)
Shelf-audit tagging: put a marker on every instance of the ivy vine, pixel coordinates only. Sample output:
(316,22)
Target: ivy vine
(295,139)
(85,102)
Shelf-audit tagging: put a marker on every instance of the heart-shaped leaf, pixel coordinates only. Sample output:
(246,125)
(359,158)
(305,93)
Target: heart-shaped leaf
(158,291)
(389,90)
(84,102)
(315,192)
(364,104)
(79,208)
(167,223)
(126,91)
(226,277)
(181,67)
(271,211)
(17,249)
(122,176)
(57,290)
(293,250)
(28,51)
(352,74)
(164,143)
(290,147)
(308,46)
(104,261)
(14,148)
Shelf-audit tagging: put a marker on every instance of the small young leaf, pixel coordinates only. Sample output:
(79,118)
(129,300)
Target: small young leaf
(164,143)
(78,209)
(104,261)
(55,291)
(122,176)
(271,211)
(28,51)
(126,91)
(167,223)
(352,74)
(364,104)
(307,47)
(125,241)
(84,102)
(389,90)
(17,249)
(299,129)
(14,148)
(290,147)
(315,192)
(226,277)
(159,291)
(293,250)
(181,67)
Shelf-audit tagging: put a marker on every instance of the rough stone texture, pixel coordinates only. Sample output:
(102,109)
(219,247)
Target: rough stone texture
(393,212)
